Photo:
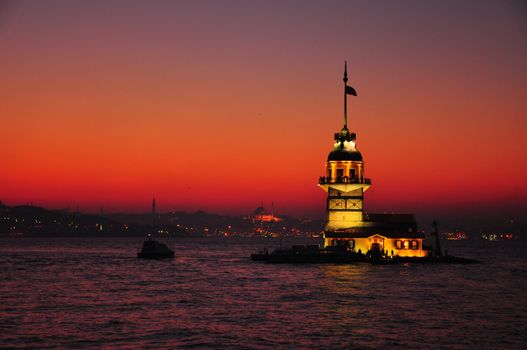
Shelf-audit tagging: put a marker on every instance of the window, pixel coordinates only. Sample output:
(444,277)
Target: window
(352,173)
(398,244)
(415,245)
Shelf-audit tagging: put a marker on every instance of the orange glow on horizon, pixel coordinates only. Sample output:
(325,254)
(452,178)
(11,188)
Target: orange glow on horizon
(214,120)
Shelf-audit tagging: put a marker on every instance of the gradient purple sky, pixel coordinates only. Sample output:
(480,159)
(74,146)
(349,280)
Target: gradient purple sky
(219,105)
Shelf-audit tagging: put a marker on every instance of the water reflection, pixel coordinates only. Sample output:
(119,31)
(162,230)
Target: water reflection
(81,292)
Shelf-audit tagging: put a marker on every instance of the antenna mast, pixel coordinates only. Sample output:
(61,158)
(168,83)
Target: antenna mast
(345,97)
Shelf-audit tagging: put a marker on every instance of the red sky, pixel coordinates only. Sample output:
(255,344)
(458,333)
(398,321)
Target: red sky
(220,105)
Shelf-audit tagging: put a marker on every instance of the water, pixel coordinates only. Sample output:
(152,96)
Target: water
(92,293)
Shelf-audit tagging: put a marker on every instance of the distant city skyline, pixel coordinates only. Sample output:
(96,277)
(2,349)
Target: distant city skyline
(218,106)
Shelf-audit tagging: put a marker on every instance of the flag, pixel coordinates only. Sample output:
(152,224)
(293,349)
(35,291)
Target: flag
(350,91)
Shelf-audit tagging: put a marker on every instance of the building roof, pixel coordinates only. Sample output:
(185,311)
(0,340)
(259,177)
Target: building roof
(345,150)
(387,225)
(344,154)
(369,232)
(260,211)
(344,147)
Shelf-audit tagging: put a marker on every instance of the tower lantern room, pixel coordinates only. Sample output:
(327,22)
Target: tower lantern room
(344,161)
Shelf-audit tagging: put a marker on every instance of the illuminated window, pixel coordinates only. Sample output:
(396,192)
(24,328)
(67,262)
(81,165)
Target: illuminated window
(398,244)
(351,244)
(415,245)
(406,244)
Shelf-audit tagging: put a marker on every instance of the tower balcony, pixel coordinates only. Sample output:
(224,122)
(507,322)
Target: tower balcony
(344,184)
(327,180)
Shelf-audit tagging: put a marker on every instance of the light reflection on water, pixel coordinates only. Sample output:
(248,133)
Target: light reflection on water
(86,292)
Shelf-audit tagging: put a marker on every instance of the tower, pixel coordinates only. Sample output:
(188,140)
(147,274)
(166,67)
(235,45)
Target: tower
(347,225)
(344,183)
(344,180)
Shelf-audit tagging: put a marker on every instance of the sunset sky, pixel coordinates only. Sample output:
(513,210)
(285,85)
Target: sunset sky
(222,105)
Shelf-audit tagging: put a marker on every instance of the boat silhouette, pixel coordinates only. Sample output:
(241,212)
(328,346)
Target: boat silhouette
(153,249)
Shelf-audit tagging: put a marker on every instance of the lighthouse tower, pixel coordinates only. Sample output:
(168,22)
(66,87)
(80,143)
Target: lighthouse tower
(347,224)
(344,180)
(344,183)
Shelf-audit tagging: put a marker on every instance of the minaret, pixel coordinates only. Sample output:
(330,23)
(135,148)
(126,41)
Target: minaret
(154,206)
(344,180)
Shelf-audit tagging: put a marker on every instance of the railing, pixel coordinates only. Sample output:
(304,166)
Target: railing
(343,180)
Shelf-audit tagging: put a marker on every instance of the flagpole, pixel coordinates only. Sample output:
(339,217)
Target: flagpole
(345,97)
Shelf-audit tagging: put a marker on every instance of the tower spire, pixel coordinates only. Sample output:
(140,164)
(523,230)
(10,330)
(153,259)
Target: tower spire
(345,79)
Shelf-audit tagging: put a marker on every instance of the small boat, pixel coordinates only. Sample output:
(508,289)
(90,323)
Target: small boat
(261,255)
(155,250)
(312,254)
(307,254)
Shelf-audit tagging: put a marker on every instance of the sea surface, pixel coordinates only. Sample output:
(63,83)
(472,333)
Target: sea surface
(94,292)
